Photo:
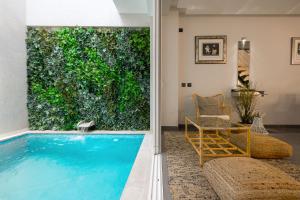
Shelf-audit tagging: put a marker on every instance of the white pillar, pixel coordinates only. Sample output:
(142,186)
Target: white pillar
(156,76)
(156,188)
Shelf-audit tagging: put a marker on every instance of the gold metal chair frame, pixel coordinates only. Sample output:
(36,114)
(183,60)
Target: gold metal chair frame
(215,141)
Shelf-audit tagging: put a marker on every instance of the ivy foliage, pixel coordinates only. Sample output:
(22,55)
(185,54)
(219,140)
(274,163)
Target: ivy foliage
(100,74)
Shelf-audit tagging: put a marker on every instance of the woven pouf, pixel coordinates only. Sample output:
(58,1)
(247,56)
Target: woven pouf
(241,178)
(263,146)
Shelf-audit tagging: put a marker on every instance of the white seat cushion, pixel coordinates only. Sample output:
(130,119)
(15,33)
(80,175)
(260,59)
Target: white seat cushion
(225,117)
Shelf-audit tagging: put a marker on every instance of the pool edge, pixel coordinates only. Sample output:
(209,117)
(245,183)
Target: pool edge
(139,180)
(12,134)
(18,133)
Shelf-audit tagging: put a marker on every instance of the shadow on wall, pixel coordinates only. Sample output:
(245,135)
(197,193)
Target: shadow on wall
(188,108)
(285,109)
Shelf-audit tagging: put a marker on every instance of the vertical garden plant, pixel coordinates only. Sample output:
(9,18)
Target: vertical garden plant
(100,74)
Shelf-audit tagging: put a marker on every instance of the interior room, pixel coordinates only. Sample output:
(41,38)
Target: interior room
(77,99)
(256,72)
(149,99)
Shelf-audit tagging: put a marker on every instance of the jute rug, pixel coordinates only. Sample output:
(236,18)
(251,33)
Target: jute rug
(185,177)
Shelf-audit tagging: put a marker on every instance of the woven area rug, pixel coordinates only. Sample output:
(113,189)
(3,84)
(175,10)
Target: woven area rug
(185,177)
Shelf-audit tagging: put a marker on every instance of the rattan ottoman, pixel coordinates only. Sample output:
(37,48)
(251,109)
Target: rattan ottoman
(241,178)
(264,146)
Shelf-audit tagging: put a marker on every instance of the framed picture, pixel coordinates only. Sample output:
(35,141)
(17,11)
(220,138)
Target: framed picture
(210,49)
(295,52)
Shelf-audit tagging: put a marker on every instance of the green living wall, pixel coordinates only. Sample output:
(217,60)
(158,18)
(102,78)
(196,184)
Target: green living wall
(100,74)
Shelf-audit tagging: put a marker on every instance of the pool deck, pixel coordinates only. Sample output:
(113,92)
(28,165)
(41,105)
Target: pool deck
(138,183)
(12,134)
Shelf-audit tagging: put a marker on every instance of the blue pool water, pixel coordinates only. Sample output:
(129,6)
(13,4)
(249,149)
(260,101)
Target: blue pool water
(66,167)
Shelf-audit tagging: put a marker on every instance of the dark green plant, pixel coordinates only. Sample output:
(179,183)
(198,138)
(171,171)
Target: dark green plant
(100,74)
(245,102)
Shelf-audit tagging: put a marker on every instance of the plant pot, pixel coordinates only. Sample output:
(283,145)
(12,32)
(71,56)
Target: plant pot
(247,125)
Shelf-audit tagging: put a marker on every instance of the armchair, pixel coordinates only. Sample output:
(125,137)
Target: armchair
(213,106)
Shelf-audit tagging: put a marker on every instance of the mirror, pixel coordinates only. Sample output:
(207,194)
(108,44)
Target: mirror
(243,63)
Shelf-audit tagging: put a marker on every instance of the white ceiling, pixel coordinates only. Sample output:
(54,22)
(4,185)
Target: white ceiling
(233,7)
(134,6)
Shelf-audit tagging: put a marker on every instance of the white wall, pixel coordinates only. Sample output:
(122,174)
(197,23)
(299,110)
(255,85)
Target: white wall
(79,13)
(13,111)
(269,66)
(169,69)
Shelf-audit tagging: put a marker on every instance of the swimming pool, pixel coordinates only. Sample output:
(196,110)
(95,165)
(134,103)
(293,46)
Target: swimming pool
(66,167)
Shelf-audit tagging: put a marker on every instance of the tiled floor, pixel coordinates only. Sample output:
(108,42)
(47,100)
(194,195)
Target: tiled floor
(291,136)
(184,180)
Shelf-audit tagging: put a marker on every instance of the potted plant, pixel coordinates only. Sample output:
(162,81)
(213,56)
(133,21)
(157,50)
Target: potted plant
(245,103)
